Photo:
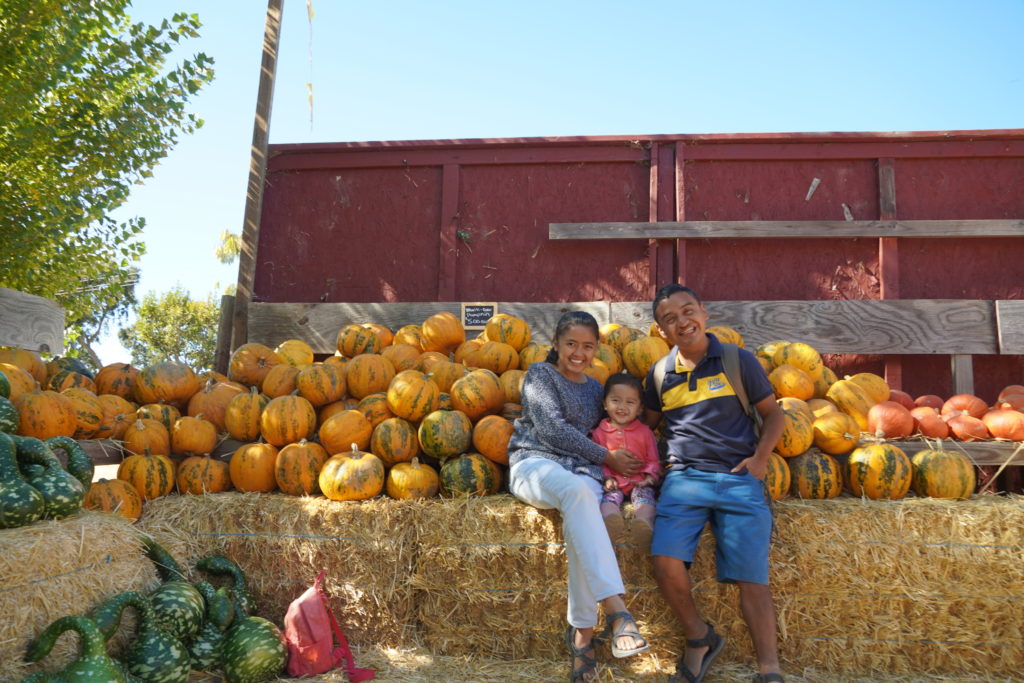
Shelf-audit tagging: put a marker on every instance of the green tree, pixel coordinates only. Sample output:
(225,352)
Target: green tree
(173,327)
(88,106)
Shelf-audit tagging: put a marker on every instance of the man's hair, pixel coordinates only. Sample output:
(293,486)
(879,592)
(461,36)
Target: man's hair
(667,291)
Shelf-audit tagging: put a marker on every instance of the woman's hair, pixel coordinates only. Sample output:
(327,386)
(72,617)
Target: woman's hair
(571,319)
(667,291)
(624,379)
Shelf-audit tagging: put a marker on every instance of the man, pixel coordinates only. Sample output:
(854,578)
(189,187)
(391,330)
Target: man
(716,463)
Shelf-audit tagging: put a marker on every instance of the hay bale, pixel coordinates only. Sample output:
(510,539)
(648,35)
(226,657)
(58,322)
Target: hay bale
(281,542)
(918,585)
(53,568)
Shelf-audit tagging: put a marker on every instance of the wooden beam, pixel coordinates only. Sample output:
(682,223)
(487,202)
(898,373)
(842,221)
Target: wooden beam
(680,210)
(30,322)
(1010,326)
(257,173)
(963,373)
(888,257)
(222,354)
(318,324)
(785,229)
(904,326)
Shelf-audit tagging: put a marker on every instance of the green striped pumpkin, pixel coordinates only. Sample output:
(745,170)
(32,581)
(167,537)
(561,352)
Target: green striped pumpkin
(179,608)
(445,433)
(777,477)
(815,475)
(412,395)
(942,474)
(253,650)
(470,474)
(394,440)
(879,470)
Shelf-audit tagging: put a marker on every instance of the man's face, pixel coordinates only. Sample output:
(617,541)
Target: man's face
(682,320)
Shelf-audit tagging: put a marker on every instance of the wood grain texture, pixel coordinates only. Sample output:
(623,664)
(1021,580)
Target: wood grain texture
(1010,325)
(906,326)
(30,322)
(785,229)
(318,324)
(963,373)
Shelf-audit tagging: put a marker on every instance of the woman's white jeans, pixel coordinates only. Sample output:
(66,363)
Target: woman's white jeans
(593,570)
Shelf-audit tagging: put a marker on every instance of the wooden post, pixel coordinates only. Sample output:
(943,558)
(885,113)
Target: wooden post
(257,174)
(888,257)
(223,353)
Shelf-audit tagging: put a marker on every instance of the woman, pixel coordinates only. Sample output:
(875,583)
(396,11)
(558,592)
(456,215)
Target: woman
(555,465)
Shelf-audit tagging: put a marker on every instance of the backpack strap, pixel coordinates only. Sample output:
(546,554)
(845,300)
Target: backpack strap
(661,367)
(731,364)
(343,655)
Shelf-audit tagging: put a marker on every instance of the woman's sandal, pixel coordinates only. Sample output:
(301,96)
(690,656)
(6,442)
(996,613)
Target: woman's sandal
(625,619)
(714,643)
(585,653)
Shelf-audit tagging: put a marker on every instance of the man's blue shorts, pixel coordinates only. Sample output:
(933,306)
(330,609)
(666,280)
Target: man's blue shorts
(737,508)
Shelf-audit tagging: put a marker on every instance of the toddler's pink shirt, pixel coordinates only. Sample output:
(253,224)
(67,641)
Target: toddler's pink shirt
(638,439)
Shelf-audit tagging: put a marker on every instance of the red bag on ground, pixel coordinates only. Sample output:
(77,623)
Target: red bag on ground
(316,643)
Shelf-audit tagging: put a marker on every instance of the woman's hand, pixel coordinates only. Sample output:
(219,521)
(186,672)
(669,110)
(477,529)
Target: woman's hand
(623,462)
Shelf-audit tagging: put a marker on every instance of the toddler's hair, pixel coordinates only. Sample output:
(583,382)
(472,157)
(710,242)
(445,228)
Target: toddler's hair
(624,379)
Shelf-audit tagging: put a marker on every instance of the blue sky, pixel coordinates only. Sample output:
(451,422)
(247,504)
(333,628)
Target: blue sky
(406,70)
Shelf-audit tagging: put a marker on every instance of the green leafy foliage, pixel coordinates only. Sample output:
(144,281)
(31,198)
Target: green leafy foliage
(88,106)
(173,327)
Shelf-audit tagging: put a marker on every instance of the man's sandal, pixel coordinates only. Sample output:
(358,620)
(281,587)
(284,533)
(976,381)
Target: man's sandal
(585,653)
(714,643)
(769,678)
(624,618)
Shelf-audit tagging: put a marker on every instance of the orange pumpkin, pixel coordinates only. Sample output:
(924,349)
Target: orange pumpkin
(402,356)
(796,404)
(536,353)
(494,356)
(766,353)
(878,471)
(193,436)
(964,403)
(353,475)
(287,419)
(930,400)
(251,362)
(164,413)
(1010,402)
(279,380)
(890,420)
(114,495)
(409,334)
(799,355)
(117,379)
(464,350)
(338,406)
(445,433)
(69,379)
(726,335)
(297,468)
(339,432)
(512,385)
(491,436)
(798,434)
(203,474)
(877,389)
(374,408)
(251,467)
(815,475)
(790,381)
(599,373)
(88,412)
(166,382)
(394,440)
(943,474)
(822,384)
(355,339)
(967,427)
(294,352)
(928,422)
(509,330)
(821,406)
(212,401)
(384,334)
(1005,424)
(321,384)
(116,417)
(777,478)
(242,416)
(412,480)
(1010,390)
(411,395)
(43,414)
(852,399)
(29,361)
(444,373)
(151,475)
(903,398)
(639,355)
(477,394)
(836,433)
(442,332)
(368,374)
(620,337)
(604,356)
(21,381)
(147,435)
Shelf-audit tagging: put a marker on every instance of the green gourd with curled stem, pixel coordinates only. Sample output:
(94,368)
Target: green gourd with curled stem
(93,664)
(154,656)
(80,465)
(205,649)
(62,492)
(218,565)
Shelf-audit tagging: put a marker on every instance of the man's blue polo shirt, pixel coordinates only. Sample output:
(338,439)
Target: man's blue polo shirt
(705,426)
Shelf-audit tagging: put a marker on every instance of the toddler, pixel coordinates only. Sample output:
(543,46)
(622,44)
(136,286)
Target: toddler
(623,429)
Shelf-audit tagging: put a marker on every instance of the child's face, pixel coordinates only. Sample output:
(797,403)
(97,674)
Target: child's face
(622,404)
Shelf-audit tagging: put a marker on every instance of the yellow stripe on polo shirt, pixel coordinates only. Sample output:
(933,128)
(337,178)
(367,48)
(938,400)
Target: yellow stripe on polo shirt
(679,396)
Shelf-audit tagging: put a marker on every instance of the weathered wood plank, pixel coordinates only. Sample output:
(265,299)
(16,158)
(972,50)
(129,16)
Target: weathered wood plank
(1010,325)
(979,452)
(903,326)
(963,373)
(785,229)
(318,324)
(30,322)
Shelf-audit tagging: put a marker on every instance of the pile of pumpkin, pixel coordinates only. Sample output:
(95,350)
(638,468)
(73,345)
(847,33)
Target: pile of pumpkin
(181,626)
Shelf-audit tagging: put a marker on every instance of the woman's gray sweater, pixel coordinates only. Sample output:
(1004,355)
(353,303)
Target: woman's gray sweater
(558,415)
